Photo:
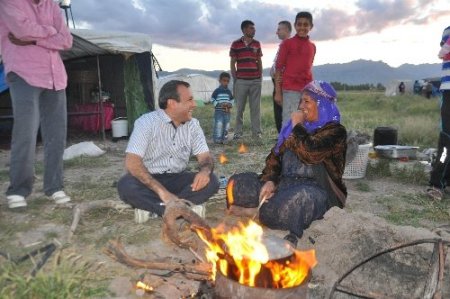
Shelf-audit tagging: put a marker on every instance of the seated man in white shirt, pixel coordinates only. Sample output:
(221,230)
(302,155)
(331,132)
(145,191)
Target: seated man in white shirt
(158,153)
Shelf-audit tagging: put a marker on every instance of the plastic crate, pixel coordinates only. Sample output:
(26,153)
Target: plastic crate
(356,169)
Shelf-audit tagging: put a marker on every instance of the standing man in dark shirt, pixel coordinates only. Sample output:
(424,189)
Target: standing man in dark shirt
(246,69)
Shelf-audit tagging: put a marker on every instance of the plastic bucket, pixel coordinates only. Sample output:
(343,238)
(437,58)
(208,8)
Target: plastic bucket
(119,127)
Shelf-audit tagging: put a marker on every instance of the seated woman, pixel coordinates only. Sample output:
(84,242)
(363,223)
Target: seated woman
(302,178)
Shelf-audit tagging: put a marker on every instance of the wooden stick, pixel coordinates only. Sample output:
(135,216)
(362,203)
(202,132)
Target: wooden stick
(259,206)
(116,251)
(84,207)
(197,256)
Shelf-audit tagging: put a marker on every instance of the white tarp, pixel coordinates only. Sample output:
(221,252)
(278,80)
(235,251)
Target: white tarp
(203,86)
(267,86)
(116,41)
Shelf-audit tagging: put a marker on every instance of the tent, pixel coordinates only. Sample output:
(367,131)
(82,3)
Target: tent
(114,70)
(115,67)
(202,86)
(267,86)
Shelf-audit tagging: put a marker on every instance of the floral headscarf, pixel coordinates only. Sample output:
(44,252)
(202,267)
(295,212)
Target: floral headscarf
(325,97)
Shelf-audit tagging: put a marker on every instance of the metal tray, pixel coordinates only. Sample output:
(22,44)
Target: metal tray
(396,151)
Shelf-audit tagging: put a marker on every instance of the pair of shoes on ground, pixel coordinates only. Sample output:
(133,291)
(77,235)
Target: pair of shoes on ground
(291,238)
(435,193)
(142,216)
(18,201)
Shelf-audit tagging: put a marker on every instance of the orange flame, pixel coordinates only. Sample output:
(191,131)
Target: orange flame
(241,252)
(223,159)
(143,286)
(242,149)
(229,193)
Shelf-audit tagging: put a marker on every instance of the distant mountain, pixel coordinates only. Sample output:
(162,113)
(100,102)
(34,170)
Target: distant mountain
(353,73)
(366,71)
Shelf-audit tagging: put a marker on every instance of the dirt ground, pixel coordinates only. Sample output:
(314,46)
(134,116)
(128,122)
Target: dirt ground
(341,239)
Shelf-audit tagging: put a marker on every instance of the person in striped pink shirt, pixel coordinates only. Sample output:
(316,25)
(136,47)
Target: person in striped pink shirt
(32,32)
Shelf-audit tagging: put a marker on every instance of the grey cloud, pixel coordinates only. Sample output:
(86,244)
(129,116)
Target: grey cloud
(196,24)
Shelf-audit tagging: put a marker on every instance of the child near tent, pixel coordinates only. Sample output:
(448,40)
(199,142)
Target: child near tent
(223,101)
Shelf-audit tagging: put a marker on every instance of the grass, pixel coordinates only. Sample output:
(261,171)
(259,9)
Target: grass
(410,174)
(86,162)
(62,280)
(415,210)
(415,118)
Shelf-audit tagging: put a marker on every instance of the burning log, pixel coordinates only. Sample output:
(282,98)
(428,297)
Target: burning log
(116,250)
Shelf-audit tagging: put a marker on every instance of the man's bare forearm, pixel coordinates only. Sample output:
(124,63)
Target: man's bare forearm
(206,163)
(136,168)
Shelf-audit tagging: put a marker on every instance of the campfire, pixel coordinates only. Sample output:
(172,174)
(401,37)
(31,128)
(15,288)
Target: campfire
(242,149)
(244,255)
(143,286)
(223,159)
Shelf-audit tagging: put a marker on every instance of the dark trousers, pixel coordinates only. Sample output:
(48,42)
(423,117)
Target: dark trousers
(277,110)
(133,192)
(441,168)
(35,107)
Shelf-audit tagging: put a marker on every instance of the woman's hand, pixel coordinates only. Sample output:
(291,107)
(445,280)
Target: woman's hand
(267,190)
(298,117)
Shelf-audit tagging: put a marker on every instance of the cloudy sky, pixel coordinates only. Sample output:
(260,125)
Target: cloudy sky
(197,33)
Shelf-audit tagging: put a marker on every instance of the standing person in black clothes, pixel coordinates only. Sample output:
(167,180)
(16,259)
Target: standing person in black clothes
(440,174)
(284,30)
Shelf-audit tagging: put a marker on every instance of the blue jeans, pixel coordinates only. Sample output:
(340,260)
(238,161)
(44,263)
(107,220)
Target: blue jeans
(291,99)
(221,125)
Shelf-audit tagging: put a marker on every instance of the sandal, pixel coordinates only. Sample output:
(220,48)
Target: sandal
(434,193)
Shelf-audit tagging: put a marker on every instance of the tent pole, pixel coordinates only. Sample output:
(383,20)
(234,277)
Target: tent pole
(100,100)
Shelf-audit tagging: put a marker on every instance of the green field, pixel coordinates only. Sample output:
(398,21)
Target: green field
(415,118)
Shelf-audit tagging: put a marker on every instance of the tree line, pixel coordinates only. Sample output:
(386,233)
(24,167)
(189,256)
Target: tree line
(367,86)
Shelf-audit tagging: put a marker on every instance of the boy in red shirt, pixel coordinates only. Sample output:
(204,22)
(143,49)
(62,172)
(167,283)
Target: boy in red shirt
(294,65)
